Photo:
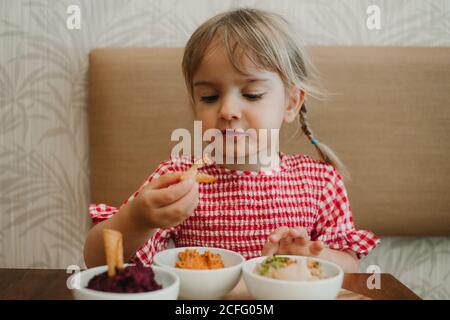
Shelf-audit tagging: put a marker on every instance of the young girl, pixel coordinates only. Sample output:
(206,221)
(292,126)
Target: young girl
(243,70)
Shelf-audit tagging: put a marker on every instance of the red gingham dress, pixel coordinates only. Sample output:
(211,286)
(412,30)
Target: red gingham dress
(241,209)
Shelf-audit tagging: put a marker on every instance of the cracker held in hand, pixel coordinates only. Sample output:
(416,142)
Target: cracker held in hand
(112,240)
(192,172)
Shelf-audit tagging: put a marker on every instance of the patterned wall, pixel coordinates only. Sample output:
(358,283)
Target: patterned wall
(44,174)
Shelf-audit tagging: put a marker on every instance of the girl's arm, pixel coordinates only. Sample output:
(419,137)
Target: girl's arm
(163,203)
(134,235)
(346,259)
(335,227)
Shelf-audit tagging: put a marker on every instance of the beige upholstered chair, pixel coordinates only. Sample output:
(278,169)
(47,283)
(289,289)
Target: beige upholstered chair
(386,115)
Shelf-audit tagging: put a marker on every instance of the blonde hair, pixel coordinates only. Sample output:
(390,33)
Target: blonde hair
(265,39)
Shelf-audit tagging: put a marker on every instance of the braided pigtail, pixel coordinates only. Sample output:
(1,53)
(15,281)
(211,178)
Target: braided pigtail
(325,152)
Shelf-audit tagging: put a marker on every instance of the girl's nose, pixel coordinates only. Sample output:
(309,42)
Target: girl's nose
(229,110)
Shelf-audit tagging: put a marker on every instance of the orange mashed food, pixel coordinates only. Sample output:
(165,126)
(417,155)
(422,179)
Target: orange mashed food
(191,259)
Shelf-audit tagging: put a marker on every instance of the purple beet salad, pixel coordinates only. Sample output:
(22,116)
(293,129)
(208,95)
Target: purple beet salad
(131,279)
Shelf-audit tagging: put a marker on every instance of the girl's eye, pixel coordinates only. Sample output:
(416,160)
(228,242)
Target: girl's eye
(209,99)
(253,97)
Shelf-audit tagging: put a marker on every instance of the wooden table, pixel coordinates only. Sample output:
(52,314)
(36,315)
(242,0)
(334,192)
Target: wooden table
(51,284)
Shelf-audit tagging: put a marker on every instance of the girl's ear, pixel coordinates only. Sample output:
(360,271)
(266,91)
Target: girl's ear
(295,99)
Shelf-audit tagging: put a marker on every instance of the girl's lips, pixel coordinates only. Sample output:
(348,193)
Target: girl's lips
(233,132)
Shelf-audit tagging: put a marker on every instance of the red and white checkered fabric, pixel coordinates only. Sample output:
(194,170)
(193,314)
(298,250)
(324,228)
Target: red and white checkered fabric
(240,209)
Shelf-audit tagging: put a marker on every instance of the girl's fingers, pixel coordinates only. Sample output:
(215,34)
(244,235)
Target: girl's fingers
(270,248)
(285,245)
(193,205)
(165,180)
(183,206)
(285,240)
(273,243)
(299,233)
(279,234)
(172,194)
(300,236)
(300,241)
(316,247)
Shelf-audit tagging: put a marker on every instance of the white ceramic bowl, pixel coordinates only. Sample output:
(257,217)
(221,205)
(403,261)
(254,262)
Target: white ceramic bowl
(169,281)
(203,284)
(265,288)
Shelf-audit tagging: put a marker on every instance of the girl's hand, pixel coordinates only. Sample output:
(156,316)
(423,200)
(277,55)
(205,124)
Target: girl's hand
(292,241)
(165,202)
